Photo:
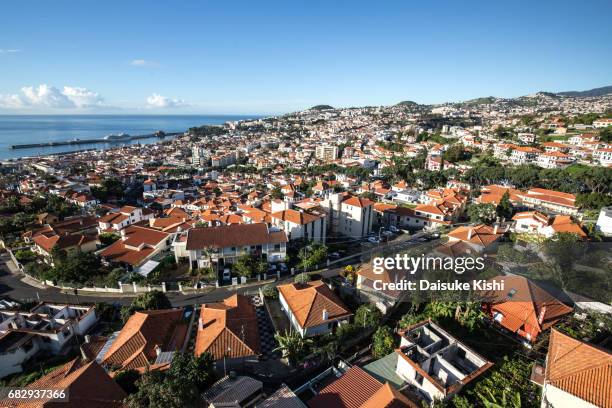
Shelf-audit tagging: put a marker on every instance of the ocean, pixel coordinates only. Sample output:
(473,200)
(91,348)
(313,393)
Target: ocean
(26,129)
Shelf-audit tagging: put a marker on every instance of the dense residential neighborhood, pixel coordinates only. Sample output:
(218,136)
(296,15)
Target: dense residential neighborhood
(233,265)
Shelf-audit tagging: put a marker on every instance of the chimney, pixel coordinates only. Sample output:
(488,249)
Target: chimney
(123,235)
(87,338)
(495,229)
(158,350)
(469,237)
(325,314)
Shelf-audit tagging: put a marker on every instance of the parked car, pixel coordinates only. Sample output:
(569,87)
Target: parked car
(227,274)
(387,233)
(394,229)
(283,267)
(373,240)
(334,255)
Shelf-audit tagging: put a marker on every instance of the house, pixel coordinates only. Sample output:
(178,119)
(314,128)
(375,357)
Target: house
(384,299)
(436,363)
(144,337)
(301,225)
(126,216)
(312,307)
(529,222)
(234,391)
(602,123)
(136,246)
(550,200)
(228,330)
(85,384)
(355,388)
(603,156)
(524,154)
(604,221)
(44,244)
(522,307)
(223,245)
(554,160)
(479,238)
(493,193)
(577,374)
(47,327)
(281,398)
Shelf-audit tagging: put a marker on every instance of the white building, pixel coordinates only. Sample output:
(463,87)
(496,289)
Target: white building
(326,153)
(301,225)
(47,327)
(604,221)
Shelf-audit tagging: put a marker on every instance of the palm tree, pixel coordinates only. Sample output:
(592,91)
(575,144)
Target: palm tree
(490,401)
(292,344)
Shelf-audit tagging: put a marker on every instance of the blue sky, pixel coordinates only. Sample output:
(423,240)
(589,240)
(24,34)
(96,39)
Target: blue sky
(276,56)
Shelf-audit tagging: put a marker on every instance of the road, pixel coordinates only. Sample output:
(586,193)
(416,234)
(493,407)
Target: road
(12,286)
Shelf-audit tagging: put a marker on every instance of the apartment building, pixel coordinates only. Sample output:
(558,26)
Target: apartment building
(326,153)
(223,245)
(301,225)
(127,215)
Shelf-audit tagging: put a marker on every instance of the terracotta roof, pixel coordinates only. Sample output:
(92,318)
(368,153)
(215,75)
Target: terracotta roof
(358,202)
(137,246)
(536,215)
(233,235)
(86,384)
(564,223)
(351,390)
(228,328)
(61,241)
(295,217)
(135,345)
(308,301)
(579,369)
(482,235)
(525,305)
(388,397)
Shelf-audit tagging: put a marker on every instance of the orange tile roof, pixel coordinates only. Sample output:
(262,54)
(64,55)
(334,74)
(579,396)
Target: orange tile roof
(482,235)
(352,390)
(233,235)
(580,369)
(295,217)
(86,385)
(125,250)
(357,202)
(529,306)
(388,397)
(307,302)
(135,345)
(228,328)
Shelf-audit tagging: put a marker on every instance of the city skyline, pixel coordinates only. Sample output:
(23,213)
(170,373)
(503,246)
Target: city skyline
(277,58)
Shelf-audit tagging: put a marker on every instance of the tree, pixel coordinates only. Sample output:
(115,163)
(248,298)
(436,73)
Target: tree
(292,345)
(76,268)
(25,255)
(127,380)
(367,316)
(197,370)
(382,342)
(153,300)
(482,213)
(244,266)
(107,238)
(504,208)
(313,255)
(302,278)
(158,390)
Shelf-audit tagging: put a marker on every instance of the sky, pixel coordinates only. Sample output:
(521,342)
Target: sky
(270,57)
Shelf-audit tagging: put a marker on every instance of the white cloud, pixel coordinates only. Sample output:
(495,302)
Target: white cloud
(143,63)
(9,51)
(47,96)
(159,101)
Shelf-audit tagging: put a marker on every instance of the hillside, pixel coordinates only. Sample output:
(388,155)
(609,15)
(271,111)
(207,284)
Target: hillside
(604,90)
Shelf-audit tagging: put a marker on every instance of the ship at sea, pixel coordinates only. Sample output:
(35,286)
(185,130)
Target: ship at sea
(117,138)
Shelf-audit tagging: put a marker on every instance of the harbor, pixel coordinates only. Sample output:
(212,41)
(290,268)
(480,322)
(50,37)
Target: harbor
(121,138)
